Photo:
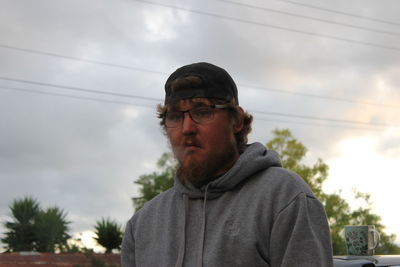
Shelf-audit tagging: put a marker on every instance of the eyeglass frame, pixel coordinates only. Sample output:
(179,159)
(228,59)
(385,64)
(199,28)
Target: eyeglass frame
(182,112)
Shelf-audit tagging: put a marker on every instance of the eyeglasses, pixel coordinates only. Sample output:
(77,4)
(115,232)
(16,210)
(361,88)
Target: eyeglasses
(200,115)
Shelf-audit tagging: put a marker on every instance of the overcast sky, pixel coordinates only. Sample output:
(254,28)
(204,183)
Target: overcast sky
(79,82)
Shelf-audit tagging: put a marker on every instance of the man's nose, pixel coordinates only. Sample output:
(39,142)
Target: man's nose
(188,125)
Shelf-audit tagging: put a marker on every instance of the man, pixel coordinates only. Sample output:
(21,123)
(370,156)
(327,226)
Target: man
(232,203)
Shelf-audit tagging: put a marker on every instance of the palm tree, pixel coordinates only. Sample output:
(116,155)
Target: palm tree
(51,227)
(109,234)
(21,233)
(34,229)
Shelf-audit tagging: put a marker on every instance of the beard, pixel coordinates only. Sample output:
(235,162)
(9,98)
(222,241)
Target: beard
(200,173)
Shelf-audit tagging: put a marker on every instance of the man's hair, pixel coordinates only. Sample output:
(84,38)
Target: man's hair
(235,114)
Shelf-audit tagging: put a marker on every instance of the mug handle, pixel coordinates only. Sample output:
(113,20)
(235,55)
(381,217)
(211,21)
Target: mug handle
(376,238)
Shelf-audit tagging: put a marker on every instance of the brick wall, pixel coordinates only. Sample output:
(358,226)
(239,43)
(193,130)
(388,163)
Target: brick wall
(25,259)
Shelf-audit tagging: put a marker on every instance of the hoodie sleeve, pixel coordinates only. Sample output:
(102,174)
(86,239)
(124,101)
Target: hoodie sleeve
(300,235)
(128,247)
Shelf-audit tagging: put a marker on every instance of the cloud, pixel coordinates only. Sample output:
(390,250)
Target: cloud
(83,155)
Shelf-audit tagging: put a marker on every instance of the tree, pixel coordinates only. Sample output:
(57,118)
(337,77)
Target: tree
(109,234)
(150,185)
(292,152)
(338,210)
(51,227)
(34,229)
(21,233)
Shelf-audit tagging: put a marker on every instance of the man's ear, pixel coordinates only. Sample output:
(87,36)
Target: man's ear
(238,123)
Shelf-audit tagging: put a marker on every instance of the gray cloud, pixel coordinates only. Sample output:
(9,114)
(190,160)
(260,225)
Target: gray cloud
(83,155)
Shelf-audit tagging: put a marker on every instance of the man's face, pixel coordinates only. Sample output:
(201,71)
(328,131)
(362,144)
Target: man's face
(204,151)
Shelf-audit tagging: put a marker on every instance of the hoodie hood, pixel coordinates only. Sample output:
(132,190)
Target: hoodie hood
(268,221)
(254,159)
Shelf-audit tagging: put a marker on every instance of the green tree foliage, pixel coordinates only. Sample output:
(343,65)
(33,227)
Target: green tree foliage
(51,227)
(108,234)
(21,233)
(150,185)
(292,153)
(338,210)
(34,229)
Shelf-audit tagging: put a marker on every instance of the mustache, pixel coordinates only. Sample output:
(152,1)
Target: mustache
(190,141)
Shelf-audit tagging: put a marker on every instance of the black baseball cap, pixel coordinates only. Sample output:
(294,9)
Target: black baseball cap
(216,83)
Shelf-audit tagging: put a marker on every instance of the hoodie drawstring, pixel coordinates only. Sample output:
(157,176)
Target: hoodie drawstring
(203,231)
(181,255)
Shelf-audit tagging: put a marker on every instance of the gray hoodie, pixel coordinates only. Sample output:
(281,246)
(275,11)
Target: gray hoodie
(257,214)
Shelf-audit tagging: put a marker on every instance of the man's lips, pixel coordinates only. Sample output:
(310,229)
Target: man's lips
(189,146)
(190,142)
(188,149)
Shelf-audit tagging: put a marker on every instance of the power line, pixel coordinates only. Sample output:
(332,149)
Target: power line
(342,13)
(80,59)
(160,100)
(150,106)
(319,125)
(309,18)
(164,73)
(320,118)
(319,96)
(274,26)
(80,89)
(74,97)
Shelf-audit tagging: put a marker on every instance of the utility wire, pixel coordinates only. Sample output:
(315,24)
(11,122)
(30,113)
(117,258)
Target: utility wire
(274,26)
(151,106)
(80,59)
(80,89)
(319,125)
(164,73)
(319,96)
(342,13)
(321,118)
(74,97)
(159,100)
(309,18)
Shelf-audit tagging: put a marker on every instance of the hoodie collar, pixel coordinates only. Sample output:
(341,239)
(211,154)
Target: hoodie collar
(255,158)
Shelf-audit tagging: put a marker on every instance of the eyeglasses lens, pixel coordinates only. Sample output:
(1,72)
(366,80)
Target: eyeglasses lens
(199,115)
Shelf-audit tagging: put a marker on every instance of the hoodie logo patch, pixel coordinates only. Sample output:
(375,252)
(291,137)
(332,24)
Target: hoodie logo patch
(232,228)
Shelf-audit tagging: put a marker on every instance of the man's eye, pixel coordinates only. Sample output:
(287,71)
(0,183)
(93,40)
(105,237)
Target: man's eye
(174,116)
(202,112)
